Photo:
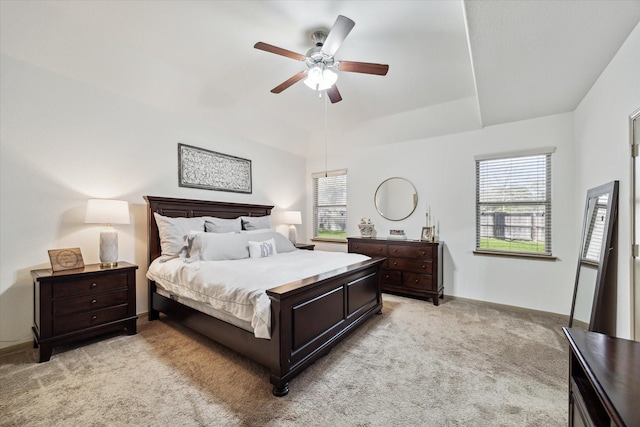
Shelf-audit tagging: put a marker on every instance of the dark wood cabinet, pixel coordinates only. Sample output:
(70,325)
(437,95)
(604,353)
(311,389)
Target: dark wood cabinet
(604,379)
(77,304)
(413,267)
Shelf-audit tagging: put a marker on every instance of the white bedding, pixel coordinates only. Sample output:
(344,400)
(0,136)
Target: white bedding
(238,287)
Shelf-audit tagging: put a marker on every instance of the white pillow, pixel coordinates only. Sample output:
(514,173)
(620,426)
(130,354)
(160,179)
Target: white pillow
(172,232)
(262,249)
(282,243)
(217,247)
(222,225)
(256,222)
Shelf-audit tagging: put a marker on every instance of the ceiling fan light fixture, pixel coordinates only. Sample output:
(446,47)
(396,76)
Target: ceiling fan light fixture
(319,78)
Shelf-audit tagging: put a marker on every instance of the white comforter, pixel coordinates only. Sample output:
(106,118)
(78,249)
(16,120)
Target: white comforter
(238,287)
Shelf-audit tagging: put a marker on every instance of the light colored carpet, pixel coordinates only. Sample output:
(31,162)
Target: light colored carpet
(459,364)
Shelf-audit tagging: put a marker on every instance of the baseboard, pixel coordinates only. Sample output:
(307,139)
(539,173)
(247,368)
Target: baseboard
(17,347)
(563,317)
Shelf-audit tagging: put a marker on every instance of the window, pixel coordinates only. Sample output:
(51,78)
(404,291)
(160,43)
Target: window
(330,205)
(513,203)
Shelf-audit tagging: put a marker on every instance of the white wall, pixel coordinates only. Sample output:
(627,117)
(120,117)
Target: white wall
(443,172)
(63,141)
(603,153)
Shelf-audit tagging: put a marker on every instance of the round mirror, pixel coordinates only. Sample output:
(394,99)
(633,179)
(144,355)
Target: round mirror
(396,199)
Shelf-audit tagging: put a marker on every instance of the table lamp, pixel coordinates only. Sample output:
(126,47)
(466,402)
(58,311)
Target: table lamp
(293,218)
(102,211)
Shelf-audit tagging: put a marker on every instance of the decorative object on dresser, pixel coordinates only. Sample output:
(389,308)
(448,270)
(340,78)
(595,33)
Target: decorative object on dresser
(293,218)
(209,170)
(397,235)
(412,268)
(427,234)
(102,211)
(306,246)
(604,385)
(366,227)
(73,305)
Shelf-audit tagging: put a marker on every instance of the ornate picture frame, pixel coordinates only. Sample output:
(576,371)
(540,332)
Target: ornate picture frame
(210,170)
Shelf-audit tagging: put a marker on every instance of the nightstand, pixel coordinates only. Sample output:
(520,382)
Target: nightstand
(307,246)
(73,305)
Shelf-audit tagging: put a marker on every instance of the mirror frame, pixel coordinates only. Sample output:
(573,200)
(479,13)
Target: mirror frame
(415,202)
(606,252)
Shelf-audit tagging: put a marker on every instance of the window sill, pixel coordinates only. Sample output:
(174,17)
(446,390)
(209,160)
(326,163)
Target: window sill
(319,239)
(515,255)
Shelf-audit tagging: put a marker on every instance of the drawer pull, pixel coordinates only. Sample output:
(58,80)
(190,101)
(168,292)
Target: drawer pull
(93,285)
(395,264)
(94,301)
(417,281)
(424,266)
(94,317)
(386,276)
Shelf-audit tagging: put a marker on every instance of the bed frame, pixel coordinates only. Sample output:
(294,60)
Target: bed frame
(308,317)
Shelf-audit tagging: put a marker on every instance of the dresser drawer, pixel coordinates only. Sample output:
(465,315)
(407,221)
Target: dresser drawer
(422,282)
(391,277)
(76,322)
(410,265)
(95,284)
(413,251)
(370,249)
(88,302)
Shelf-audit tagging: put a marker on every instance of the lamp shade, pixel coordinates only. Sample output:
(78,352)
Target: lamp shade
(103,211)
(292,217)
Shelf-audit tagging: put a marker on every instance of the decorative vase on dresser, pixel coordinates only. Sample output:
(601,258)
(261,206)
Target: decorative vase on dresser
(413,267)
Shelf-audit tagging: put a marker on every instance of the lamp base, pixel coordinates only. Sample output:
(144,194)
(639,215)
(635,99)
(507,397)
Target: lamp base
(292,234)
(108,264)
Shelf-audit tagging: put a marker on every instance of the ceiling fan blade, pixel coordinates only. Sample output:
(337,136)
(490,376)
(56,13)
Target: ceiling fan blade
(279,51)
(341,28)
(334,94)
(282,86)
(363,67)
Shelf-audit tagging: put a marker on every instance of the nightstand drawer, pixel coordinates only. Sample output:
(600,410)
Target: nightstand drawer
(410,265)
(89,302)
(76,322)
(422,282)
(391,277)
(83,286)
(414,251)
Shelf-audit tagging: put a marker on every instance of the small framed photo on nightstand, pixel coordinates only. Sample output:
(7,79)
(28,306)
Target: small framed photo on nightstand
(65,259)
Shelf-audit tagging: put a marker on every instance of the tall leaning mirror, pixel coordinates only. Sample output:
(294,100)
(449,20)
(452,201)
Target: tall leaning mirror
(597,249)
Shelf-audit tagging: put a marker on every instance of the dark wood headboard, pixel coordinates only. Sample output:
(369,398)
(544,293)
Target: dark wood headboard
(193,208)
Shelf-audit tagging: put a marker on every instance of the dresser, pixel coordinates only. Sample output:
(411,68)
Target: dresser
(413,267)
(604,379)
(72,305)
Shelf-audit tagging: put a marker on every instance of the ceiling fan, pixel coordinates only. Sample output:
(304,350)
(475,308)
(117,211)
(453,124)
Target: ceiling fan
(321,65)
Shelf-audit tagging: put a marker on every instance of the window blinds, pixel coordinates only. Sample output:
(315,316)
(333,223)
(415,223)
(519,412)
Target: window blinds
(513,203)
(330,205)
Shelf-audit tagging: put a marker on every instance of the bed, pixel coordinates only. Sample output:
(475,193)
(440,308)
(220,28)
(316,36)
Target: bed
(308,316)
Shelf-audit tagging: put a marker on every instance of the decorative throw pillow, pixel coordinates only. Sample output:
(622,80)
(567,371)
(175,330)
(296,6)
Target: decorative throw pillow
(172,232)
(217,247)
(222,225)
(262,249)
(256,222)
(282,243)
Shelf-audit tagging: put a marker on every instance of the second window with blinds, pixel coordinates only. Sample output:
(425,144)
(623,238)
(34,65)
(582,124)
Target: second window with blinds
(330,206)
(513,203)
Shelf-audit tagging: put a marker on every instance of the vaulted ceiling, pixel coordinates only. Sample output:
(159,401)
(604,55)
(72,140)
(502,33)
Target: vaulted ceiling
(454,65)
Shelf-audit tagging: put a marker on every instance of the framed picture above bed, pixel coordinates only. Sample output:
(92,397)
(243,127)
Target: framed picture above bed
(210,170)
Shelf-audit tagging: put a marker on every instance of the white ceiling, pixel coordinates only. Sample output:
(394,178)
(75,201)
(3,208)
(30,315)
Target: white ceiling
(454,66)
